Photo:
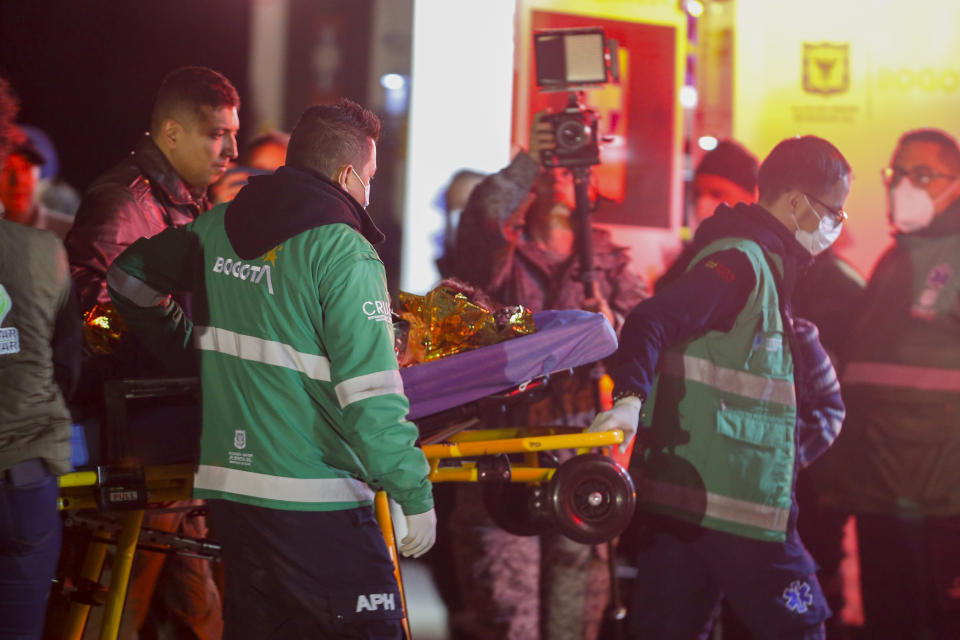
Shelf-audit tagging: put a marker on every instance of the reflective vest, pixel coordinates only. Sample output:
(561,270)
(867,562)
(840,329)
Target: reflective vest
(723,416)
(899,452)
(303,404)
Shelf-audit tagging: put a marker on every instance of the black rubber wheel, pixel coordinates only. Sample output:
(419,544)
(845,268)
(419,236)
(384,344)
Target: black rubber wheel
(517,508)
(591,498)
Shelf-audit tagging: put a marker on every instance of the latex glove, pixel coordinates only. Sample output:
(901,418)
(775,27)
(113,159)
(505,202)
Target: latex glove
(624,415)
(421,534)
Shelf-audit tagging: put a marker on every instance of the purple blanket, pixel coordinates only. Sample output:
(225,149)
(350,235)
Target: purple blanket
(563,339)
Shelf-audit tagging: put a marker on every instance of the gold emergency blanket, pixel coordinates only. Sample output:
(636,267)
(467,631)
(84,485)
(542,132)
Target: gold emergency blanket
(446,321)
(103,328)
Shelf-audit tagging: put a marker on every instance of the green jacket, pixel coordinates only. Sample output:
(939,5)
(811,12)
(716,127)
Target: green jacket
(724,410)
(303,405)
(899,452)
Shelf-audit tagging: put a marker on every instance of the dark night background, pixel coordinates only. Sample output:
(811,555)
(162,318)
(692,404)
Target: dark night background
(87,72)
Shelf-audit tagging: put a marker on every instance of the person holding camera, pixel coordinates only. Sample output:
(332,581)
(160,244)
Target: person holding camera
(516,240)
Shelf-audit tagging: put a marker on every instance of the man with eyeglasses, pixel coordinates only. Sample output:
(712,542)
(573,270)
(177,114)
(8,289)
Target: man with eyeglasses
(736,396)
(897,465)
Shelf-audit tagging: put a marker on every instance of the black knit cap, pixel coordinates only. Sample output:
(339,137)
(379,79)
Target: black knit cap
(731,161)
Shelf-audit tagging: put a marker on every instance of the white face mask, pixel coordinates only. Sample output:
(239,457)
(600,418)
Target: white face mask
(821,238)
(366,188)
(911,207)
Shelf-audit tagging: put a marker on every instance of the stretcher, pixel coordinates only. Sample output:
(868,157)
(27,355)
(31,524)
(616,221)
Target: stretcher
(589,497)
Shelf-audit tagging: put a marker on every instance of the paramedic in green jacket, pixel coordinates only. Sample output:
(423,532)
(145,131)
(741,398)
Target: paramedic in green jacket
(304,414)
(897,465)
(727,386)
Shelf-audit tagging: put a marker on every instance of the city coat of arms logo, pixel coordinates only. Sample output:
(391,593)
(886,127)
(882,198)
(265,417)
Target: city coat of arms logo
(826,68)
(239,438)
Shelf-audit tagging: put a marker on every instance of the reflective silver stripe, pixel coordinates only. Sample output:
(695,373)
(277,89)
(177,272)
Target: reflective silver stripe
(259,350)
(373,384)
(717,506)
(749,385)
(902,375)
(133,289)
(260,485)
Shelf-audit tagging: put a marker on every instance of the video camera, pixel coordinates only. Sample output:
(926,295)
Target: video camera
(571,60)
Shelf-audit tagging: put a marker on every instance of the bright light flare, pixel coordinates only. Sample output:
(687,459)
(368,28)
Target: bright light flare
(693,7)
(392,81)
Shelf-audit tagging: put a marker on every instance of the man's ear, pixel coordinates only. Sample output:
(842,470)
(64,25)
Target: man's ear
(170,133)
(795,199)
(340,177)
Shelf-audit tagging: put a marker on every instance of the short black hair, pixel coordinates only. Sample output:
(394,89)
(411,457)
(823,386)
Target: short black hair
(806,163)
(8,113)
(731,161)
(949,151)
(329,136)
(192,88)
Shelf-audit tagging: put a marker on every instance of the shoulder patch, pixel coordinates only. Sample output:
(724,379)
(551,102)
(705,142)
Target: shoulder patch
(9,336)
(721,270)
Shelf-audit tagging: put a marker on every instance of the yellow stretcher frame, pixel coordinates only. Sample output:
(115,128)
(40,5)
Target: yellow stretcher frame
(166,483)
(485,442)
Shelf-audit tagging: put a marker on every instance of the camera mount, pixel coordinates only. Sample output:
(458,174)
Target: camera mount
(572,60)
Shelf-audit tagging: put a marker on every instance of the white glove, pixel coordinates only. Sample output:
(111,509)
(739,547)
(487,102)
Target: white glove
(421,534)
(624,415)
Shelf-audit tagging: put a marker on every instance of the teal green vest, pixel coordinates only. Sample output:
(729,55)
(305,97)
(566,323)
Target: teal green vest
(722,416)
(900,447)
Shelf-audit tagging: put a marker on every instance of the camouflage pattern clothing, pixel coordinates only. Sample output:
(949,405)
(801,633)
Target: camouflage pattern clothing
(513,587)
(523,587)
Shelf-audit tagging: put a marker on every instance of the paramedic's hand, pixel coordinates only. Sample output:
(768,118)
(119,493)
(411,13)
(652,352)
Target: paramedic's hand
(421,534)
(625,415)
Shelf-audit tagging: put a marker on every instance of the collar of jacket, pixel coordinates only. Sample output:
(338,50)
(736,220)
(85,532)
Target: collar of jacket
(273,208)
(756,223)
(155,166)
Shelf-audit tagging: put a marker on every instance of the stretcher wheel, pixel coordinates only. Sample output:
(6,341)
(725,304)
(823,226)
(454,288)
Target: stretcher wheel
(517,508)
(591,498)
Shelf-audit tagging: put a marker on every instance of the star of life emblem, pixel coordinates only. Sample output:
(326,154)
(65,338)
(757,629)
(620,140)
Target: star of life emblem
(239,438)
(798,596)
